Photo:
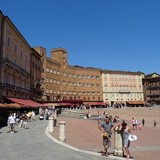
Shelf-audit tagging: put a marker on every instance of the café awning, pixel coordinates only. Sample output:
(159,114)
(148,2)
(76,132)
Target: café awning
(66,104)
(50,104)
(95,103)
(11,105)
(26,102)
(135,102)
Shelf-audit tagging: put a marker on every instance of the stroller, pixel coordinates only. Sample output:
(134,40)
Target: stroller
(41,117)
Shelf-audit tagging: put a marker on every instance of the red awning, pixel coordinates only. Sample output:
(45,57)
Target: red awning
(136,102)
(2,105)
(11,105)
(14,105)
(65,104)
(50,104)
(26,102)
(95,103)
(71,101)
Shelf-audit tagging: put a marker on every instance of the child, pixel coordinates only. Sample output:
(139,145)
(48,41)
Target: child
(139,125)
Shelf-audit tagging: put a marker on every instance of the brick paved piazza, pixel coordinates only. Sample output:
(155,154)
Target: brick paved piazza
(85,135)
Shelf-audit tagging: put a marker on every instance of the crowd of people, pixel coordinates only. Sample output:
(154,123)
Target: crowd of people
(20,120)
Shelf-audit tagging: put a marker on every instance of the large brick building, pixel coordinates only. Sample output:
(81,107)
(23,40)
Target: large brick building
(61,81)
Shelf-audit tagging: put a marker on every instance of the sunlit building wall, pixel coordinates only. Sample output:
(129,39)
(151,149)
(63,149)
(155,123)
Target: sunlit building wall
(14,61)
(120,87)
(66,82)
(151,84)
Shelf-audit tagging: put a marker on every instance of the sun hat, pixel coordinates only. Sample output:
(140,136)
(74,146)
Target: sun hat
(105,134)
(132,137)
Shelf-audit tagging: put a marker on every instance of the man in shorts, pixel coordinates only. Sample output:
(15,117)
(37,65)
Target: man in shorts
(107,128)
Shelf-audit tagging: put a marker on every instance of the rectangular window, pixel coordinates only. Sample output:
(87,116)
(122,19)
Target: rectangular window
(15,48)
(7,55)
(26,58)
(8,41)
(21,54)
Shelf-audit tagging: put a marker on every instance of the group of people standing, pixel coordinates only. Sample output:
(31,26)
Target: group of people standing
(135,124)
(19,119)
(107,127)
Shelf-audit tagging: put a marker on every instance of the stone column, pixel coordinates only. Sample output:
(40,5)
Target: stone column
(50,124)
(118,148)
(62,137)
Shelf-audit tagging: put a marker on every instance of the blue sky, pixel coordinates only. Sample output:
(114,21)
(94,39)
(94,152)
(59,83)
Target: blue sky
(107,34)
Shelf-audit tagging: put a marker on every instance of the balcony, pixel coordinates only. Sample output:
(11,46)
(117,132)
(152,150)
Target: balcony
(13,87)
(15,66)
(6,86)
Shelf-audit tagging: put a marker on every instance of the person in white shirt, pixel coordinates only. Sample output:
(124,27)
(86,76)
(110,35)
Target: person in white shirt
(12,121)
(33,116)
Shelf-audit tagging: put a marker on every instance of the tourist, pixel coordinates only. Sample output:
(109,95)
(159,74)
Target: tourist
(125,131)
(106,127)
(100,118)
(8,124)
(33,116)
(143,121)
(139,125)
(12,122)
(154,123)
(55,117)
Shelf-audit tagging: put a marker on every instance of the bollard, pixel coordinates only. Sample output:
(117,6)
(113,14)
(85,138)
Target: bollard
(118,148)
(51,124)
(62,137)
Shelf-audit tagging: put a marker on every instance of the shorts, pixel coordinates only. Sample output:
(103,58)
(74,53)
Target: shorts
(107,141)
(12,126)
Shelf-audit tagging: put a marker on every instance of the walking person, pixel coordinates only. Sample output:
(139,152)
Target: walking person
(12,122)
(8,124)
(25,121)
(143,121)
(154,123)
(33,116)
(55,117)
(107,128)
